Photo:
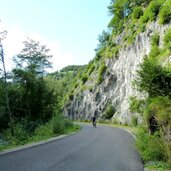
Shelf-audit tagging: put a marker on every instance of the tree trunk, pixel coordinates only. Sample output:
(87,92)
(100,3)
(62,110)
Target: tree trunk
(6,91)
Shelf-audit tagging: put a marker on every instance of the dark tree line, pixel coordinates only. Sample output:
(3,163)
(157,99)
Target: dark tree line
(35,97)
(30,97)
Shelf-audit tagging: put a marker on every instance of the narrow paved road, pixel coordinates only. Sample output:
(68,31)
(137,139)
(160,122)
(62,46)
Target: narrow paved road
(91,149)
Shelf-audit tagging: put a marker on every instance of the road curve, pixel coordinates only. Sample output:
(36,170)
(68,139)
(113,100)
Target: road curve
(92,149)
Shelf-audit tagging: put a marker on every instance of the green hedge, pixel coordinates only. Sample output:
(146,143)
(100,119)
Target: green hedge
(84,78)
(102,69)
(137,12)
(165,13)
(151,147)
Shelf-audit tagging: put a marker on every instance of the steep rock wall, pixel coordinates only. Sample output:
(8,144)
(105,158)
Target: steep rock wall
(117,85)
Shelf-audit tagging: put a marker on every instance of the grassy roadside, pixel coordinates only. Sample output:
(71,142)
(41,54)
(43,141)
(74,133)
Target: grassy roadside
(151,165)
(39,138)
(132,130)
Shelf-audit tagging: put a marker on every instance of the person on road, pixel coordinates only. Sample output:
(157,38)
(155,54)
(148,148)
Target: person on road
(93,118)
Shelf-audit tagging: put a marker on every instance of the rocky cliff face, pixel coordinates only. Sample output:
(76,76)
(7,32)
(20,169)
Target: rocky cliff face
(117,87)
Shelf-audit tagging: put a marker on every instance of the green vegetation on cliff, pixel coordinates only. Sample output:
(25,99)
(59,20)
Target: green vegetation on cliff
(154,78)
(129,18)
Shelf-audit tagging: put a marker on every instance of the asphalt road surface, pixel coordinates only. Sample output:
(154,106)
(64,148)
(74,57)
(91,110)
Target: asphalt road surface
(91,149)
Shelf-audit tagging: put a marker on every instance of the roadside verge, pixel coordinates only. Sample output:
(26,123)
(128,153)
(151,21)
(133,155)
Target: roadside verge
(33,144)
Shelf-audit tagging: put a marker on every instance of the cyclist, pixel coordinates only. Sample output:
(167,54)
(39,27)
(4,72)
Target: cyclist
(93,118)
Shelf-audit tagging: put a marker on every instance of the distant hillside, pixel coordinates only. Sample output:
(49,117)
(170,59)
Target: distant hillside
(71,69)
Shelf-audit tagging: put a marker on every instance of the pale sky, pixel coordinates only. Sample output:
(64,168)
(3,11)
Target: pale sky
(69,28)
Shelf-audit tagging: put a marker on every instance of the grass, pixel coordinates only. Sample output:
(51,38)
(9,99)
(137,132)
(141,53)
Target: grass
(157,166)
(35,139)
(101,71)
(132,130)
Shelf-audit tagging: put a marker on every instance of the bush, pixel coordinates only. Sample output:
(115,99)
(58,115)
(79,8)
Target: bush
(154,8)
(43,131)
(101,120)
(89,65)
(20,135)
(131,39)
(167,39)
(91,69)
(99,79)
(109,112)
(107,121)
(108,52)
(150,14)
(112,51)
(115,121)
(155,52)
(165,13)
(71,96)
(145,18)
(102,69)
(137,12)
(137,105)
(90,89)
(153,78)
(68,124)
(159,107)
(76,85)
(158,166)
(155,39)
(142,27)
(151,147)
(58,125)
(134,120)
(115,51)
(86,120)
(84,78)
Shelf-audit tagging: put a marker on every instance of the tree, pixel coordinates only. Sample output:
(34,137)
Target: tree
(120,10)
(103,40)
(5,81)
(36,100)
(154,78)
(34,57)
(140,2)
